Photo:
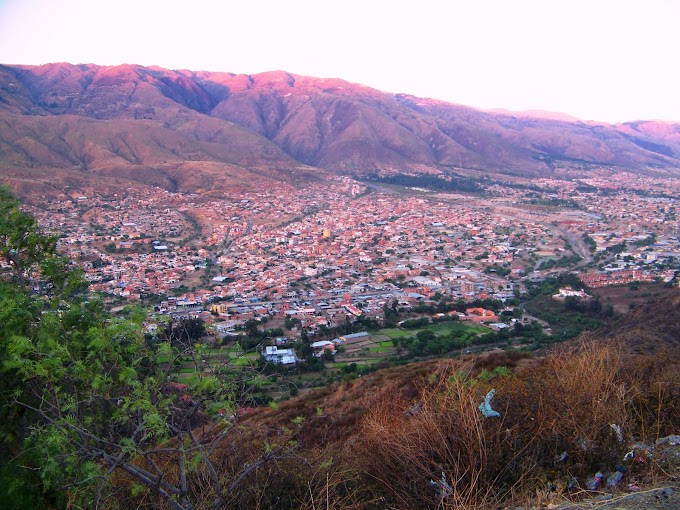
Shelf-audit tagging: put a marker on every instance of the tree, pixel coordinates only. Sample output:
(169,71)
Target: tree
(328,355)
(83,396)
(22,245)
(391,313)
(291,322)
(182,333)
(425,336)
(251,326)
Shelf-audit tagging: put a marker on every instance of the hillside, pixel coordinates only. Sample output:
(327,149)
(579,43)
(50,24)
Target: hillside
(650,327)
(397,438)
(157,126)
(178,159)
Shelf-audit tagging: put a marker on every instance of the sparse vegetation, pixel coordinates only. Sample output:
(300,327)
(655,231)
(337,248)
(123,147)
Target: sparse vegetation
(565,403)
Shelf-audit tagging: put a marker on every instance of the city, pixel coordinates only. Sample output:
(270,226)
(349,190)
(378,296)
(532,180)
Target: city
(310,252)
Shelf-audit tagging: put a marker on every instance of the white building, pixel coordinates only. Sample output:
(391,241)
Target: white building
(273,354)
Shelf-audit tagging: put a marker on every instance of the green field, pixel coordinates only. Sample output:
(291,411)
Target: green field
(395,332)
(383,341)
(242,361)
(441,329)
(446,328)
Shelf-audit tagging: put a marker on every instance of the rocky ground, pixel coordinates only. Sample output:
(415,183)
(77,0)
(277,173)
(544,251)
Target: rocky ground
(662,497)
(657,487)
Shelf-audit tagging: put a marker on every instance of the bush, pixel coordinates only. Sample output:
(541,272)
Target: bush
(439,451)
(442,440)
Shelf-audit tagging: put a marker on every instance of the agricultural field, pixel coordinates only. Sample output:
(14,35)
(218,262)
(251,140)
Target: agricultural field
(372,350)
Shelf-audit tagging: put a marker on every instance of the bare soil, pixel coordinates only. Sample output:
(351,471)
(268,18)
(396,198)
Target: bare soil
(621,297)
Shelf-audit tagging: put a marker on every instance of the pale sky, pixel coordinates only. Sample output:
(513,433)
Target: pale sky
(607,60)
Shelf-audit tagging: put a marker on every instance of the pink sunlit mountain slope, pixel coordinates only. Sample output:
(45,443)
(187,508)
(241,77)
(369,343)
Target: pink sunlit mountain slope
(193,131)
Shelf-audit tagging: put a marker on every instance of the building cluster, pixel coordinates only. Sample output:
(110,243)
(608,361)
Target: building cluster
(299,252)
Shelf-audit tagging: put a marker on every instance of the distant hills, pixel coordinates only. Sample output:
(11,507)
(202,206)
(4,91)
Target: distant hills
(197,131)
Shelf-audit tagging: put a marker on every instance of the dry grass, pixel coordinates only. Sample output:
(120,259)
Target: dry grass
(438,452)
(443,453)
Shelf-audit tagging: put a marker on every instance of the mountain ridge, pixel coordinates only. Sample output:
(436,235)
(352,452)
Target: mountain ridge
(291,122)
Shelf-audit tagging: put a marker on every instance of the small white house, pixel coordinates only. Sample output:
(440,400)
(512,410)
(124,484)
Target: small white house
(273,354)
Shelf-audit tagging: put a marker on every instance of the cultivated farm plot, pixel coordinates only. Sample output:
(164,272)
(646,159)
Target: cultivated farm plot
(358,346)
(446,328)
(440,329)
(394,332)
(372,350)
(231,356)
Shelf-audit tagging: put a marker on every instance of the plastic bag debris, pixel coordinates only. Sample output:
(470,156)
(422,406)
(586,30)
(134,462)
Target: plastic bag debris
(443,488)
(673,440)
(614,479)
(617,430)
(594,483)
(572,484)
(638,454)
(485,407)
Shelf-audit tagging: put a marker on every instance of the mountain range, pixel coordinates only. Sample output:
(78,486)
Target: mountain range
(200,131)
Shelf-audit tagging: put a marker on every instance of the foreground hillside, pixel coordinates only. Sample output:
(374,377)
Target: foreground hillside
(182,129)
(414,436)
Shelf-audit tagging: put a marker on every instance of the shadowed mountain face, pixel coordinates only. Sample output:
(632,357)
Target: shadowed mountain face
(187,130)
